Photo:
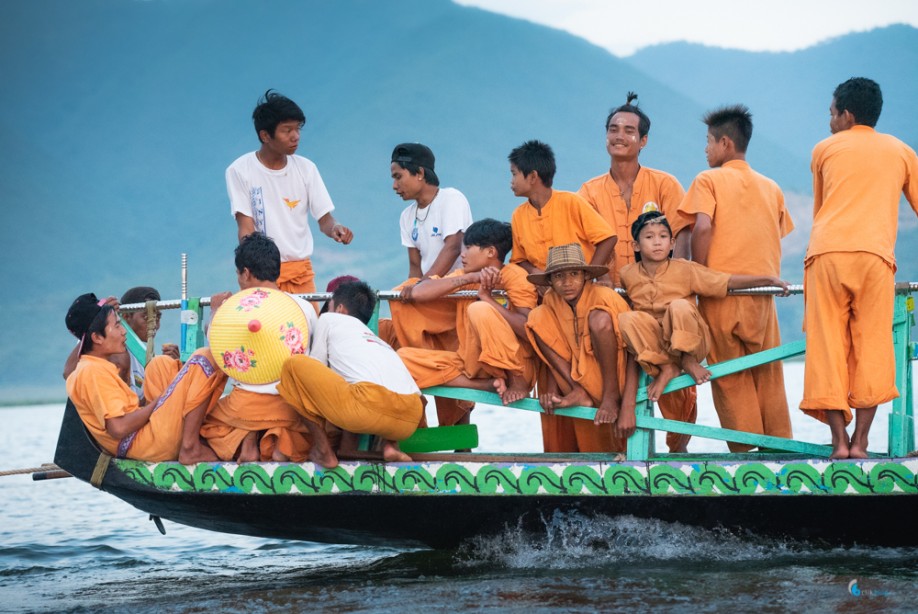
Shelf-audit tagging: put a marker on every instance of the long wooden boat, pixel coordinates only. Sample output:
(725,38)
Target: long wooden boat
(438,500)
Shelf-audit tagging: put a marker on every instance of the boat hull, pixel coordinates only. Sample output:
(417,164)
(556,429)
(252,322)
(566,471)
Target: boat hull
(440,504)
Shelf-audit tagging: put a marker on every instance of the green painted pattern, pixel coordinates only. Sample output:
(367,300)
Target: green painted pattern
(893,477)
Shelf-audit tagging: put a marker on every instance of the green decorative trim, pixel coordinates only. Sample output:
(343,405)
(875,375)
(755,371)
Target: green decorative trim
(887,477)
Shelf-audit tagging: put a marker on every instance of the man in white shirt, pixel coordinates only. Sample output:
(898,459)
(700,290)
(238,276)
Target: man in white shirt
(352,379)
(273,191)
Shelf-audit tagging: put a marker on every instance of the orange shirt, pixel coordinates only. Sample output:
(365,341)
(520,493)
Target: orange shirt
(858,176)
(676,279)
(98,394)
(565,218)
(653,190)
(748,218)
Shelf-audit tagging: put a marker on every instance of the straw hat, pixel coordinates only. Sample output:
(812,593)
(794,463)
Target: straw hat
(566,258)
(254,332)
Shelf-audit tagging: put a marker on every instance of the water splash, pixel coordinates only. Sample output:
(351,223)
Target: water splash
(571,540)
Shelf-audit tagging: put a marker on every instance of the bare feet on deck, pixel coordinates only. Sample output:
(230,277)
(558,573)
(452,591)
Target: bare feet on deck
(857,448)
(658,385)
(391,452)
(511,390)
(200,453)
(694,368)
(248,449)
(321,453)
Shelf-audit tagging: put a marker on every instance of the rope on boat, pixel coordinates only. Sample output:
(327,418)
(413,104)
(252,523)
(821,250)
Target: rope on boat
(27,470)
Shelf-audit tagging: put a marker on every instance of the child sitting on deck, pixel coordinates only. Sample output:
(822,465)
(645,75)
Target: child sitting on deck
(165,428)
(575,332)
(494,352)
(665,331)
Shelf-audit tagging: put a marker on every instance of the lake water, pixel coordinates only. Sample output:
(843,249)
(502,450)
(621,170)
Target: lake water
(65,547)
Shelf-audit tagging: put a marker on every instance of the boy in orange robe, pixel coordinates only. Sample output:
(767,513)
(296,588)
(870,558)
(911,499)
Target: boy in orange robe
(575,332)
(735,219)
(494,352)
(665,331)
(612,195)
(849,271)
(253,422)
(166,428)
(551,217)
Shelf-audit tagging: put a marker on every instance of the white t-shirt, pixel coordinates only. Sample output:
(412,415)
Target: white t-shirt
(425,229)
(280,202)
(351,350)
(312,321)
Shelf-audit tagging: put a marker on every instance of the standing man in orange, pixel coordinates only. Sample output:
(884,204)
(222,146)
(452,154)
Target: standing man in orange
(273,191)
(620,196)
(735,219)
(849,271)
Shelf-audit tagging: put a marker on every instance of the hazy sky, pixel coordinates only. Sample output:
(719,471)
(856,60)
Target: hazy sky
(775,25)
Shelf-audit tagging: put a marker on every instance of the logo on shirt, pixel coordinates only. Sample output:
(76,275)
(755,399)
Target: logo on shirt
(650,206)
(291,203)
(436,232)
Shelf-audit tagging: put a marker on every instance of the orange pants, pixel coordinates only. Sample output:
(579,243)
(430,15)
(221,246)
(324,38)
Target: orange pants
(489,348)
(158,373)
(242,412)
(430,325)
(754,400)
(320,395)
(297,277)
(561,433)
(850,360)
(652,343)
(198,382)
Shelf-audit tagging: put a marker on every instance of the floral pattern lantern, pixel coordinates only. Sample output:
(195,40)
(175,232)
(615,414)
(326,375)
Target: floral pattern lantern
(254,332)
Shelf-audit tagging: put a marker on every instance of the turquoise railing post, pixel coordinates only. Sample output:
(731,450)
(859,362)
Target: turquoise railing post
(192,318)
(641,445)
(374,320)
(901,418)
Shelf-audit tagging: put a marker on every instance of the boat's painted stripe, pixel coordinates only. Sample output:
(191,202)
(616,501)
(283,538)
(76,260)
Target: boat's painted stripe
(590,479)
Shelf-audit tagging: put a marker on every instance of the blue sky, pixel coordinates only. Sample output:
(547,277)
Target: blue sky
(776,25)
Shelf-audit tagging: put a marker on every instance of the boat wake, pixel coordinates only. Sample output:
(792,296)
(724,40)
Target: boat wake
(575,540)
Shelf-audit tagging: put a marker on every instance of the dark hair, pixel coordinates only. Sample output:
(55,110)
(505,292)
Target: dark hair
(413,157)
(260,256)
(862,97)
(274,108)
(358,298)
(641,221)
(643,120)
(85,317)
(535,156)
(489,233)
(140,294)
(734,122)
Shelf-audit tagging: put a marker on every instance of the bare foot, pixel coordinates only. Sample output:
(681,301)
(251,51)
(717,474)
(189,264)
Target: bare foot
(392,454)
(200,453)
(513,390)
(658,385)
(279,457)
(248,450)
(577,397)
(840,451)
(321,453)
(858,448)
(694,368)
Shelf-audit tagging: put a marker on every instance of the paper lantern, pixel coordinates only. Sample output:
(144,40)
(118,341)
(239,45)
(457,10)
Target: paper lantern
(255,331)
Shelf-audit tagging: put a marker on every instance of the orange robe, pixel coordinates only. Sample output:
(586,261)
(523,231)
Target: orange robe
(430,325)
(99,394)
(748,221)
(653,190)
(488,346)
(297,277)
(567,333)
(654,339)
(565,218)
(858,176)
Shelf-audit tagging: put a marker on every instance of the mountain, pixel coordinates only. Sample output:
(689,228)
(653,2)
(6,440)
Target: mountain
(119,117)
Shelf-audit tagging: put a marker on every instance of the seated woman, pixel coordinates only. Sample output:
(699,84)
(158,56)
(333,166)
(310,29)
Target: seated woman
(166,427)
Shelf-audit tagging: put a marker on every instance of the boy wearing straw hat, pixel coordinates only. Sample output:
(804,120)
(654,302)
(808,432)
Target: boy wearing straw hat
(575,332)
(666,332)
